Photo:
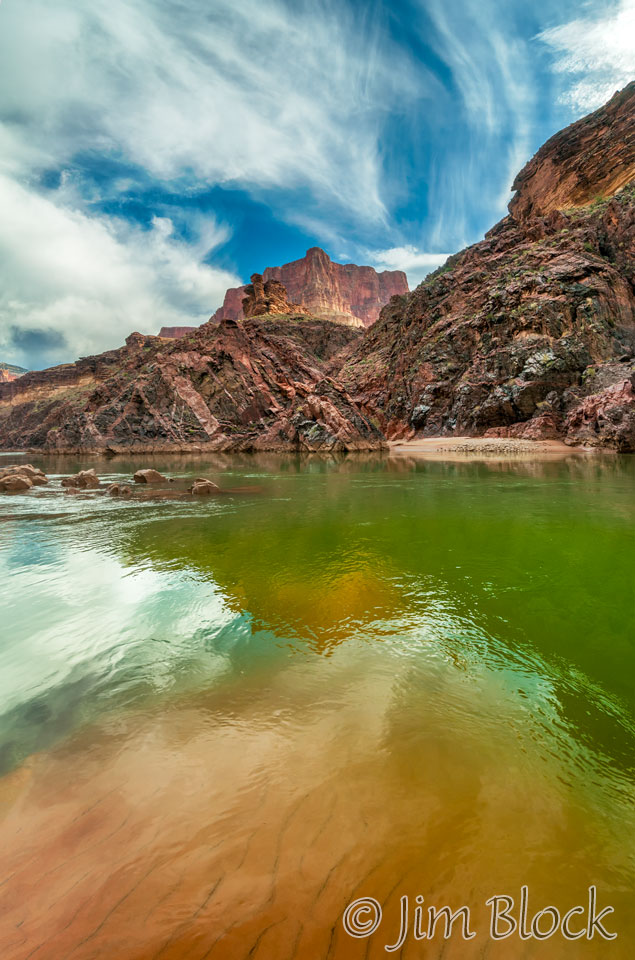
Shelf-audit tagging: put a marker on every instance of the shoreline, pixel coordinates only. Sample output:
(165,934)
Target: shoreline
(470,448)
(446,448)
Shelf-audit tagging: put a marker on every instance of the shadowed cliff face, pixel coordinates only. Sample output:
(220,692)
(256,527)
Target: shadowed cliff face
(531,332)
(344,293)
(261,385)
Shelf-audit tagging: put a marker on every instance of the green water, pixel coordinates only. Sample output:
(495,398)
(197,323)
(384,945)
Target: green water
(487,606)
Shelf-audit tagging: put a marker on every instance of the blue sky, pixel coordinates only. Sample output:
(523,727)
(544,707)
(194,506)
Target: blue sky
(154,152)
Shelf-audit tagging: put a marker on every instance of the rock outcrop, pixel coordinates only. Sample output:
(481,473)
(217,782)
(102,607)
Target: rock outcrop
(589,160)
(343,293)
(175,333)
(267,297)
(258,385)
(531,332)
(9,372)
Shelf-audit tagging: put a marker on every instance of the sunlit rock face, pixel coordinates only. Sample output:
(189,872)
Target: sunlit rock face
(344,293)
(531,332)
(9,372)
(267,296)
(588,160)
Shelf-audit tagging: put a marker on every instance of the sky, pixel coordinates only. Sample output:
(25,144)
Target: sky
(155,152)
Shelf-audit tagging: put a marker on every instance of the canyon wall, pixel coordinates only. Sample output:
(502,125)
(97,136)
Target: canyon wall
(341,292)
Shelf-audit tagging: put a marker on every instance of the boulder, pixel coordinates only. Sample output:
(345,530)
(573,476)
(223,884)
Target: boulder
(15,483)
(149,476)
(119,490)
(35,475)
(85,479)
(204,486)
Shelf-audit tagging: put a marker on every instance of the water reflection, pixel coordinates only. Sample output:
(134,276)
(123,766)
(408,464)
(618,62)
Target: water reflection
(225,719)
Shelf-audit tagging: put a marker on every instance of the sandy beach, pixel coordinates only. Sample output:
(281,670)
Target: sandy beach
(490,447)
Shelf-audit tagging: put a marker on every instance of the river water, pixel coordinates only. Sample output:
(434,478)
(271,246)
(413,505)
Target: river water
(224,720)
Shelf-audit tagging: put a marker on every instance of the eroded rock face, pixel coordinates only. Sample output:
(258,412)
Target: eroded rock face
(267,296)
(531,332)
(9,372)
(258,385)
(589,160)
(343,293)
(513,336)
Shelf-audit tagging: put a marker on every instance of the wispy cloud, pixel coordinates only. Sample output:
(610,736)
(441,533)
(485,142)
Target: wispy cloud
(417,264)
(238,91)
(595,53)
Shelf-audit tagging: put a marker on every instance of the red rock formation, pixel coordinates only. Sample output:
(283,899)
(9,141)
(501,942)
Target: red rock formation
(531,332)
(591,159)
(267,296)
(175,333)
(9,372)
(344,293)
(256,385)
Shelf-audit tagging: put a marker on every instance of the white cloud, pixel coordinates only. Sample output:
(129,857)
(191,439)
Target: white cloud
(596,52)
(237,91)
(416,263)
(490,66)
(82,284)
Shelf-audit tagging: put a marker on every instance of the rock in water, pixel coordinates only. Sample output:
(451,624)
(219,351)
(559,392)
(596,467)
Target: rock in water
(119,490)
(34,474)
(15,483)
(203,486)
(149,476)
(84,480)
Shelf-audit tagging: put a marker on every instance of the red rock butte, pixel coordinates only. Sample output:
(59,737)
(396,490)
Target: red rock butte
(342,292)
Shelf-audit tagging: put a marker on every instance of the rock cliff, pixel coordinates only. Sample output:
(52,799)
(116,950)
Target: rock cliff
(590,159)
(9,372)
(267,297)
(531,332)
(257,385)
(344,293)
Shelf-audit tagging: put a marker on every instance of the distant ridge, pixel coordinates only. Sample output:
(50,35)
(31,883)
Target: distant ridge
(9,372)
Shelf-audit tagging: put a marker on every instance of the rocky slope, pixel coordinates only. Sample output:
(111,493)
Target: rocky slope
(531,332)
(344,293)
(9,372)
(263,384)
